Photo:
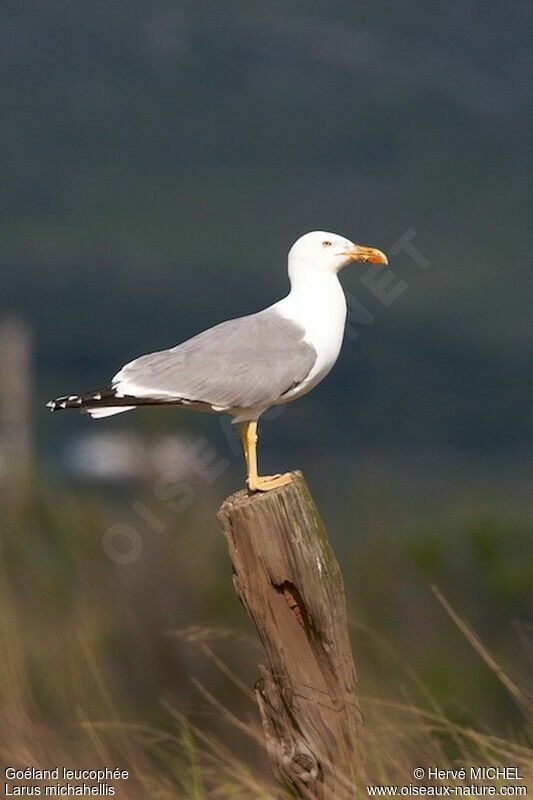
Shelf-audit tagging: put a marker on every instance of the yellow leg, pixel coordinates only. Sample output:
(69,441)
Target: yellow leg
(258,483)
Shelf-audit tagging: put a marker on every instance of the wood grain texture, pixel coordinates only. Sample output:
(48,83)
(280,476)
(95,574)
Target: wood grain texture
(289,581)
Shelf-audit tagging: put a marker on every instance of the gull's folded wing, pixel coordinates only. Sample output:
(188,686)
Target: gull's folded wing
(242,363)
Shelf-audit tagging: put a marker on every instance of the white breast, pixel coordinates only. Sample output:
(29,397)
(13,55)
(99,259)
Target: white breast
(319,307)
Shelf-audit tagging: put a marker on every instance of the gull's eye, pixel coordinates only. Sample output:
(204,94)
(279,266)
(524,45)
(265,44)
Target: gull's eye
(327,243)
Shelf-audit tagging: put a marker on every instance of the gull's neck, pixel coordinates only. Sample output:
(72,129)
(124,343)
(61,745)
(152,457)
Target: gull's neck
(316,301)
(315,290)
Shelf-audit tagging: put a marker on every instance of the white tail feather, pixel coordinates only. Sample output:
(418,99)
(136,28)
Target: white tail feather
(100,413)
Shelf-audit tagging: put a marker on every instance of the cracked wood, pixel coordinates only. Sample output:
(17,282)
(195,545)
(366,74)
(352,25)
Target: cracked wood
(289,581)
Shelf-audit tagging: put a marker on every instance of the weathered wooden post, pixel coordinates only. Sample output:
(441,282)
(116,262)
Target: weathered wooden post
(289,581)
(15,392)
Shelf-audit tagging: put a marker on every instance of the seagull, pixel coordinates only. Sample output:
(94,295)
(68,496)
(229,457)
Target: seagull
(246,365)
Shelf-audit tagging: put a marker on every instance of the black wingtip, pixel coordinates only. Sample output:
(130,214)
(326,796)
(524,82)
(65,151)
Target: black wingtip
(72,401)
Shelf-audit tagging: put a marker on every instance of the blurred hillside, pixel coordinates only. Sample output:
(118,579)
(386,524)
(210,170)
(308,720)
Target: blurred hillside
(161,157)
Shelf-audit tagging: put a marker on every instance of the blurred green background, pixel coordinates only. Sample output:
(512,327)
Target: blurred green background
(159,159)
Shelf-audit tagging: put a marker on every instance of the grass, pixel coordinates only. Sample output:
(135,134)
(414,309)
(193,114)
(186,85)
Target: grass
(190,763)
(92,675)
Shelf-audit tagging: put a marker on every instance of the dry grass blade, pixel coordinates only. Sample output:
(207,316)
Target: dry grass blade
(225,670)
(226,761)
(199,634)
(244,727)
(522,699)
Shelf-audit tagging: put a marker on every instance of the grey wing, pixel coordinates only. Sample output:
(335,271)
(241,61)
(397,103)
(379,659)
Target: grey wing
(246,362)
